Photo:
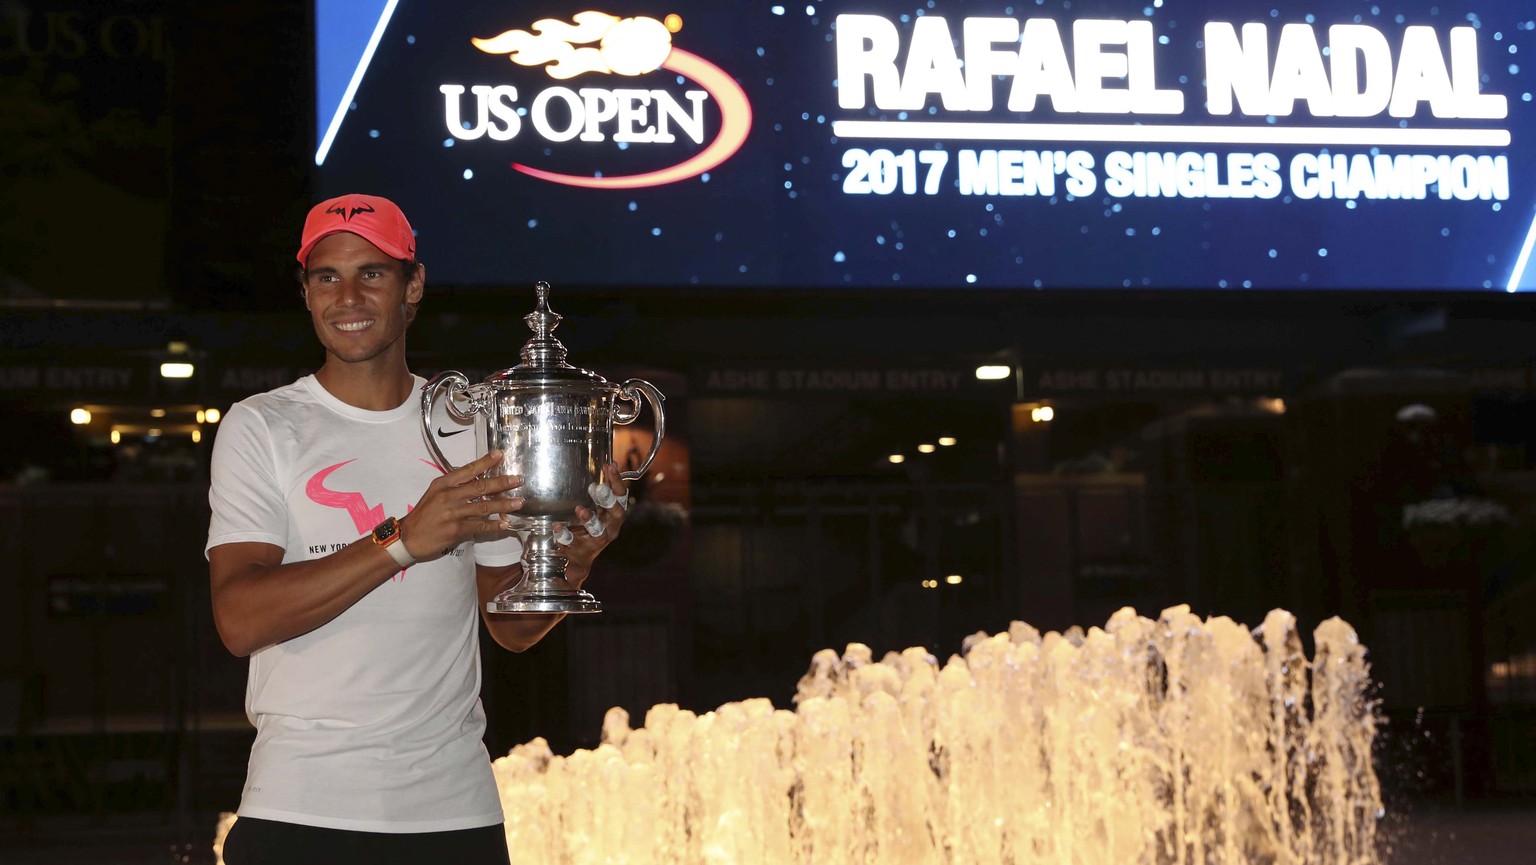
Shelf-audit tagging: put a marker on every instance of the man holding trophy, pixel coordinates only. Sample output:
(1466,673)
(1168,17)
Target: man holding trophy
(353,567)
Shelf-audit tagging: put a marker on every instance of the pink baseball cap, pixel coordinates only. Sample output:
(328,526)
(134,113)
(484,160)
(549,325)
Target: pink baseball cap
(375,219)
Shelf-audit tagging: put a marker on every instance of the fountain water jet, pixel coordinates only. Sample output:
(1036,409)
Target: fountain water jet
(1181,740)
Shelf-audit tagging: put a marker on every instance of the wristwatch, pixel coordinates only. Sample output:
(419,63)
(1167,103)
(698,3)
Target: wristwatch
(387,535)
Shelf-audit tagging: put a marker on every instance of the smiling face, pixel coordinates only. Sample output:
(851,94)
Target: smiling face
(360,300)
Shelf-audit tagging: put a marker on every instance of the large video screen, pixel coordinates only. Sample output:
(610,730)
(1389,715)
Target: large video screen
(1037,144)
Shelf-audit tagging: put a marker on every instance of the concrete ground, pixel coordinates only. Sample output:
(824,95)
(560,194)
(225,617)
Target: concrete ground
(116,840)
(1427,835)
(1475,835)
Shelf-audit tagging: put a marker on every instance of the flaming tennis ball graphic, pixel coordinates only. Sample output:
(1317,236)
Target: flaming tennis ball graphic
(636,46)
(639,45)
(625,46)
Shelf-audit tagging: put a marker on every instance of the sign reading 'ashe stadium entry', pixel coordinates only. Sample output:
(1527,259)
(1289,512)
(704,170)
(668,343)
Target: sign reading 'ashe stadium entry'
(841,379)
(1097,144)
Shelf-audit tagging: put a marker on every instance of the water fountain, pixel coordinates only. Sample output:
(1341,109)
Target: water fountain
(1177,740)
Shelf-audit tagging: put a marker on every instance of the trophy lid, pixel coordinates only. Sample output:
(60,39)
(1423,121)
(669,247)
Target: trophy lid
(543,356)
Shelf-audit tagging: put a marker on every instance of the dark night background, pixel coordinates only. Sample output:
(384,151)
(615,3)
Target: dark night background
(1233,452)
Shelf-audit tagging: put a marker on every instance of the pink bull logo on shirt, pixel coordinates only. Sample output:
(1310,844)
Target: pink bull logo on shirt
(364,516)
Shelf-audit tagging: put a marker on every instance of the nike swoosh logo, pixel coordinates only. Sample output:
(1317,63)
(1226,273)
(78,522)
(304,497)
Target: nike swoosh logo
(442,433)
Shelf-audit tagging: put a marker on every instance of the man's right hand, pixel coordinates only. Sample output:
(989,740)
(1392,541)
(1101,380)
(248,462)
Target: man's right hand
(461,505)
(258,600)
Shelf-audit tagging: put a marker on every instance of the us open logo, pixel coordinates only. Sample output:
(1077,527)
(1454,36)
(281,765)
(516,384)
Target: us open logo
(599,48)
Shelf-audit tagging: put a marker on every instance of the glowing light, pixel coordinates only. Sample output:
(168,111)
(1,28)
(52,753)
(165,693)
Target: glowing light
(80,416)
(946,441)
(896,459)
(157,412)
(197,436)
(993,372)
(930,584)
(954,579)
(673,21)
(202,416)
(1275,405)
(926,448)
(213,415)
(176,370)
(1042,414)
(116,437)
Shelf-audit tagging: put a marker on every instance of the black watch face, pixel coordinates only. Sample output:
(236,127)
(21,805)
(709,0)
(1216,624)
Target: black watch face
(385,531)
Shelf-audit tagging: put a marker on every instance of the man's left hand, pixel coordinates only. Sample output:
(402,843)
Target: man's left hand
(596,527)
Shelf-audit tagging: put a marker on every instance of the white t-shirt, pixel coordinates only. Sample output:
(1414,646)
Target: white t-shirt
(371,722)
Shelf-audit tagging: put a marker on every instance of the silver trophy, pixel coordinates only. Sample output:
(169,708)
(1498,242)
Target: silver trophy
(554,424)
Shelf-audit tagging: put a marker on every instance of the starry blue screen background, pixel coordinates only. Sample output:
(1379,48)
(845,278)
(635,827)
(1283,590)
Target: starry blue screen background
(776,214)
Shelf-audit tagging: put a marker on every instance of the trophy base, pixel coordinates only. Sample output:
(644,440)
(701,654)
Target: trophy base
(543,588)
(565,602)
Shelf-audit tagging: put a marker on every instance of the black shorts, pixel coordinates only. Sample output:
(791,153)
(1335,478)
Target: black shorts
(252,841)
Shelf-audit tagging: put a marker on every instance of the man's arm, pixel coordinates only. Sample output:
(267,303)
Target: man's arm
(512,631)
(259,601)
(519,631)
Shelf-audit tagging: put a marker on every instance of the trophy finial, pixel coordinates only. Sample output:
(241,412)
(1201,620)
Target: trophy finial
(543,350)
(542,320)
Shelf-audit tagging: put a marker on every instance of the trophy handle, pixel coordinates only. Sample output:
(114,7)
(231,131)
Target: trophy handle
(631,391)
(460,384)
